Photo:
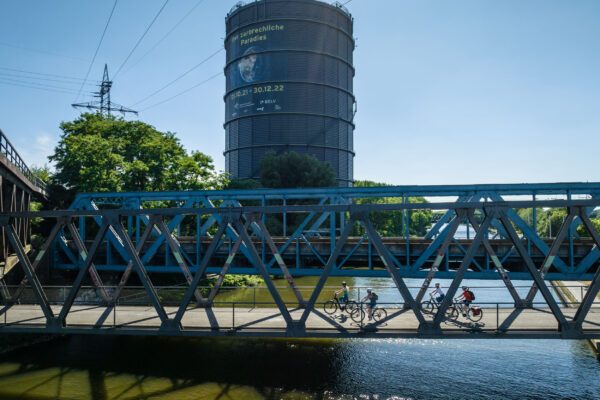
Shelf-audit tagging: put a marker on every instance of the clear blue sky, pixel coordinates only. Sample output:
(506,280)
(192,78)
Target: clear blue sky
(449,91)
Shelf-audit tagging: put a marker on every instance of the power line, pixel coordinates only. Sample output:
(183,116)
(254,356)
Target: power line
(39,51)
(37,78)
(140,39)
(184,92)
(97,48)
(165,36)
(41,74)
(11,83)
(38,84)
(179,77)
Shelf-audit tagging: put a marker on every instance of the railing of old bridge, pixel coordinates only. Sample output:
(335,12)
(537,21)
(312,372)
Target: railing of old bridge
(11,154)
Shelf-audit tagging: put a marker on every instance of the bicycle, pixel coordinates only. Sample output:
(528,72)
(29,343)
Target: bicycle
(473,313)
(331,306)
(378,314)
(430,306)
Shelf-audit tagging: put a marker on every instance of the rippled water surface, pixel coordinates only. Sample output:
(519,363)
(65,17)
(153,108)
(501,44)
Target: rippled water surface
(148,368)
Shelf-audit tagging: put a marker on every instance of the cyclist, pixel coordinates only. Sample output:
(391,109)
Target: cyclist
(343,295)
(467,298)
(372,298)
(438,293)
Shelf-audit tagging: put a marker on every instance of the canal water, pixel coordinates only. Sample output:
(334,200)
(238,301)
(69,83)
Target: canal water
(174,368)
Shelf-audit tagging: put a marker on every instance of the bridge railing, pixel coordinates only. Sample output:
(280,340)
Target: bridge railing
(256,295)
(390,319)
(11,154)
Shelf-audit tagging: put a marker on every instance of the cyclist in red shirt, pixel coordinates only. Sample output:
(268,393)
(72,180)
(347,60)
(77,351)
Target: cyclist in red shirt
(467,298)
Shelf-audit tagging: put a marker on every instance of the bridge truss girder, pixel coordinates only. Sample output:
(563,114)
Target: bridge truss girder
(244,222)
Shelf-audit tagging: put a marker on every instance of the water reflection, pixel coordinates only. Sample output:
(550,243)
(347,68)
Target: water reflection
(140,368)
(101,368)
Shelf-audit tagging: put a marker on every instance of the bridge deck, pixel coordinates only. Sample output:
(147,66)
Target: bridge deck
(247,321)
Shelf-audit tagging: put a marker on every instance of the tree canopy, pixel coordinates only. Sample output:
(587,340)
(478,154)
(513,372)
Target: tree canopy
(391,223)
(293,170)
(98,153)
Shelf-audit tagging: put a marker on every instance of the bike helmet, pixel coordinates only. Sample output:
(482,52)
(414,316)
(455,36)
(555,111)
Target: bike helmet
(369,290)
(344,283)
(465,288)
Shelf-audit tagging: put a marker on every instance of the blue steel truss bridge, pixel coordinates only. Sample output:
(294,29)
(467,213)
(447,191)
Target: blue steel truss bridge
(283,234)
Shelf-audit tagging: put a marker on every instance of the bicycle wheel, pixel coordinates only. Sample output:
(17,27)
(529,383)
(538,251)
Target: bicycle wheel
(428,307)
(357,315)
(473,317)
(330,307)
(351,306)
(379,314)
(452,313)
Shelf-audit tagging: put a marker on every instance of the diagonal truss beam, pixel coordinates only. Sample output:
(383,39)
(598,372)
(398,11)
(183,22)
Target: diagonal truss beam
(391,268)
(36,262)
(552,253)
(176,250)
(460,273)
(533,271)
(139,267)
(497,263)
(269,239)
(257,261)
(83,254)
(189,293)
(230,257)
(310,305)
(28,269)
(83,270)
(594,288)
(441,252)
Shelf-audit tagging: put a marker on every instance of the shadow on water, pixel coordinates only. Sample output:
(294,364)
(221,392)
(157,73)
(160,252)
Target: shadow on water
(124,367)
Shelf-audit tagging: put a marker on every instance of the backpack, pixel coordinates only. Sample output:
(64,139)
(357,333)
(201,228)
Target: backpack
(471,294)
(374,297)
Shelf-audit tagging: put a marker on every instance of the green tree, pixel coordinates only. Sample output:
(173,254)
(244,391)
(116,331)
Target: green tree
(584,232)
(99,153)
(391,223)
(293,170)
(42,173)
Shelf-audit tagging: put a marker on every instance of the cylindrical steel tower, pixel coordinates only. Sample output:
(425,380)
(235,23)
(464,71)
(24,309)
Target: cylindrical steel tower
(289,80)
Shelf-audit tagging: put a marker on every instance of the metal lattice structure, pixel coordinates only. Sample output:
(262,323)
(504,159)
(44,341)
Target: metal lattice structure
(311,239)
(194,312)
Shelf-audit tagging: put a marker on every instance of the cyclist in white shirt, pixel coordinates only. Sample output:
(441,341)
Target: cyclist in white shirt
(437,293)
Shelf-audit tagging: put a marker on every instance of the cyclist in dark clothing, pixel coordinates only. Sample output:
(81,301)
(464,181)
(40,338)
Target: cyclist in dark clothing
(372,298)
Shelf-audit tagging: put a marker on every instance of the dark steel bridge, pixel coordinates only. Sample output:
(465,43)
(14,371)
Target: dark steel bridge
(114,232)
(18,186)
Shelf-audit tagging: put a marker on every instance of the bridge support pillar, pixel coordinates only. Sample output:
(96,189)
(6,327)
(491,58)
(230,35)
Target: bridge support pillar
(296,328)
(171,325)
(55,324)
(571,330)
(429,329)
